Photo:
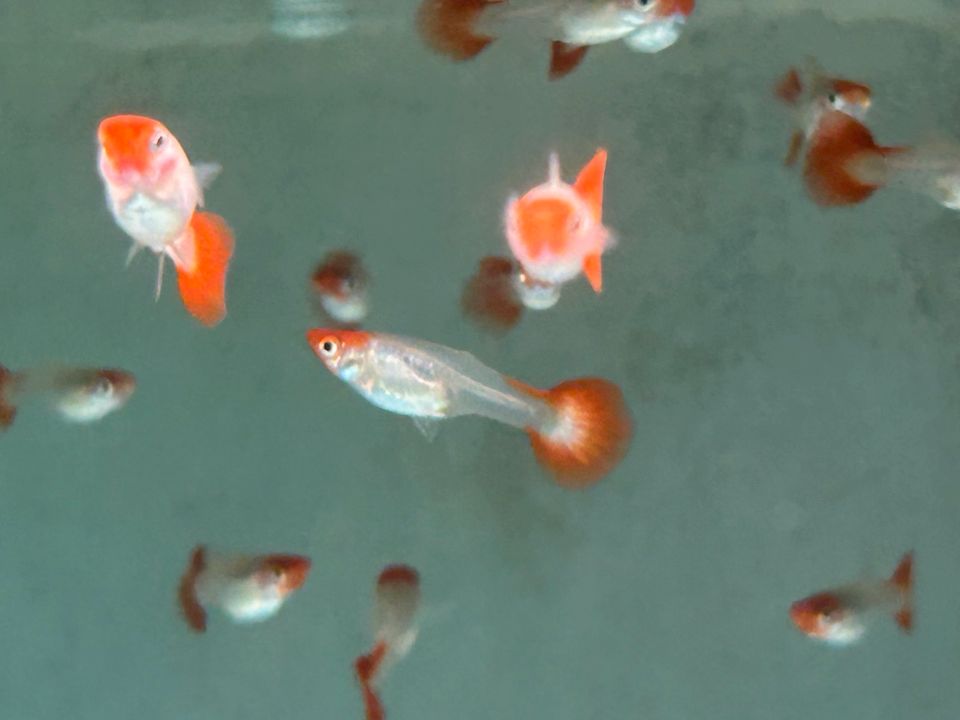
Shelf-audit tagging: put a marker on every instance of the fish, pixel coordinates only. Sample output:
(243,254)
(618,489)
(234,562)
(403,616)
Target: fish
(579,430)
(556,231)
(340,287)
(839,616)
(844,165)
(248,588)
(810,92)
(496,295)
(396,605)
(462,29)
(153,193)
(79,395)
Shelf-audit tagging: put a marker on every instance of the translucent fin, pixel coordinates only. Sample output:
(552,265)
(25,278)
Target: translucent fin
(205,173)
(429,427)
(160,262)
(134,250)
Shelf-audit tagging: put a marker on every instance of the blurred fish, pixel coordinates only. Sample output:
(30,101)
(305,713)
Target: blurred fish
(810,92)
(397,601)
(845,166)
(497,293)
(79,395)
(247,588)
(153,194)
(461,29)
(839,616)
(555,230)
(340,286)
(580,429)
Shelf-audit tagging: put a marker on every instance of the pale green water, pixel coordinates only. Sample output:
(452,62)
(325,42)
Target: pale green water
(793,374)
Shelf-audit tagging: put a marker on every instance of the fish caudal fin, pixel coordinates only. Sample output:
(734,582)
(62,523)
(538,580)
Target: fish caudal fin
(203,286)
(564,58)
(789,87)
(190,606)
(447,27)
(373,708)
(589,183)
(844,165)
(490,298)
(590,433)
(902,579)
(367,666)
(8,410)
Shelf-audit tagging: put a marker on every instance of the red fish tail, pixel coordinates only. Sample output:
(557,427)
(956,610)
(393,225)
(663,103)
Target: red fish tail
(190,606)
(367,666)
(372,706)
(669,8)
(590,433)
(8,410)
(789,88)
(203,287)
(844,165)
(489,298)
(902,579)
(447,27)
(564,58)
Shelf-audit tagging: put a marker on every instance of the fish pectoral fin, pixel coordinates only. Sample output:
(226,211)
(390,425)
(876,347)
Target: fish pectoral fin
(134,250)
(429,427)
(205,173)
(593,270)
(564,58)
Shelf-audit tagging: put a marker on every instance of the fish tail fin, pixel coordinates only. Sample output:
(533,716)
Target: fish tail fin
(844,164)
(789,87)
(589,183)
(902,580)
(564,58)
(367,666)
(448,27)
(589,434)
(372,706)
(203,286)
(8,411)
(190,606)
(489,298)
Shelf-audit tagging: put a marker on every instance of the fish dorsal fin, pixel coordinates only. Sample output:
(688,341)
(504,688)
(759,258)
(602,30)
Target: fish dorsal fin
(589,183)
(564,58)
(429,427)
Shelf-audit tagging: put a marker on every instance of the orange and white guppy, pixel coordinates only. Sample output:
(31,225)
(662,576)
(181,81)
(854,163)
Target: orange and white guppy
(153,193)
(580,429)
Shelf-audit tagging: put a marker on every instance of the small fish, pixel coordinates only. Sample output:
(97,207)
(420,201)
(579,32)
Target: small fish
(844,165)
(555,230)
(397,601)
(810,92)
(339,284)
(497,293)
(80,395)
(461,29)
(580,429)
(153,194)
(839,616)
(247,588)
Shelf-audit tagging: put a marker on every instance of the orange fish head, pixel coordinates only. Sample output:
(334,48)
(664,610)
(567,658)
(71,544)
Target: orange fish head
(850,97)
(286,572)
(133,144)
(338,349)
(545,224)
(816,614)
(339,274)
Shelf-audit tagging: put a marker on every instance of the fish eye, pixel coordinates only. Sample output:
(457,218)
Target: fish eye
(832,97)
(157,141)
(329,346)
